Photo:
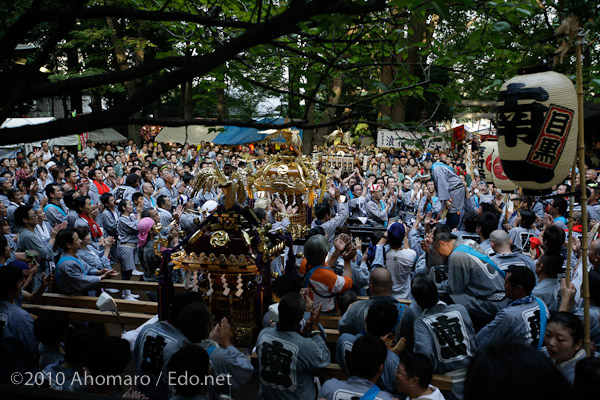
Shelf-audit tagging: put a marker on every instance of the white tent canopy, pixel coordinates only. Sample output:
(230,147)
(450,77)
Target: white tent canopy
(192,134)
(105,135)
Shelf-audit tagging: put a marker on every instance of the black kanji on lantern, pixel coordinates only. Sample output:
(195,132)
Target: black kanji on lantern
(548,148)
(545,153)
(481,162)
(276,364)
(520,115)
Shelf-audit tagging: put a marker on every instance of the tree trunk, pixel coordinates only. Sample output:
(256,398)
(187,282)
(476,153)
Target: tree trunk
(133,131)
(188,105)
(330,112)
(294,108)
(308,135)
(96,103)
(74,95)
(422,32)
(221,98)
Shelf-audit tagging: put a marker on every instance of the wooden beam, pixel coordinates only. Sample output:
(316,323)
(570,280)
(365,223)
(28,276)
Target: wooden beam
(140,286)
(478,103)
(82,314)
(332,335)
(408,302)
(473,115)
(56,299)
(335,371)
(330,321)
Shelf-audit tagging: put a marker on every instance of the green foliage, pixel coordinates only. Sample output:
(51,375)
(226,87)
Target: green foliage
(437,53)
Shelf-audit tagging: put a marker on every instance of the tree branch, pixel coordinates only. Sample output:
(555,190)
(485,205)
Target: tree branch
(23,78)
(259,34)
(18,30)
(143,15)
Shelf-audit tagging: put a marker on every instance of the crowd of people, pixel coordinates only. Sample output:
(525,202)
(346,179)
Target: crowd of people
(482,270)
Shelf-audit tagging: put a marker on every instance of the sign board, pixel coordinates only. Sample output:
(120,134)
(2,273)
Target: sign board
(412,140)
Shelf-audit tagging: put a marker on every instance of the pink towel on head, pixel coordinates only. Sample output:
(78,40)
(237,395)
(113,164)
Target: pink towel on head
(144,227)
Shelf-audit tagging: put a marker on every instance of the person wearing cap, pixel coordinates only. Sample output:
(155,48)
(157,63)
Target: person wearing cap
(450,190)
(83,189)
(160,181)
(376,209)
(399,259)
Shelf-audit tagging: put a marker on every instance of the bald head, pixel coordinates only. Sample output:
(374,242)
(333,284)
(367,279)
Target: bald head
(500,242)
(594,253)
(380,282)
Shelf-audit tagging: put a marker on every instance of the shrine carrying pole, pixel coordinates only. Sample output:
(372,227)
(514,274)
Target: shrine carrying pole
(585,289)
(570,239)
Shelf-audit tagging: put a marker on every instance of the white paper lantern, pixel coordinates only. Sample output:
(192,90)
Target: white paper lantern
(493,165)
(537,129)
(485,160)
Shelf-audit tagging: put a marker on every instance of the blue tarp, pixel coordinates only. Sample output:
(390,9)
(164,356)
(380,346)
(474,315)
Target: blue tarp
(238,135)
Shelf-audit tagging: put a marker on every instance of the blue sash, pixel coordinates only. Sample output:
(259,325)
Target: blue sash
(57,207)
(67,258)
(542,322)
(439,164)
(469,250)
(434,199)
(400,312)
(371,393)
(311,272)
(60,261)
(210,350)
(382,204)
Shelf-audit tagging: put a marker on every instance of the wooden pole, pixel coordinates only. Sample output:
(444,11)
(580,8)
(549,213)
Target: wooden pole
(570,239)
(585,289)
